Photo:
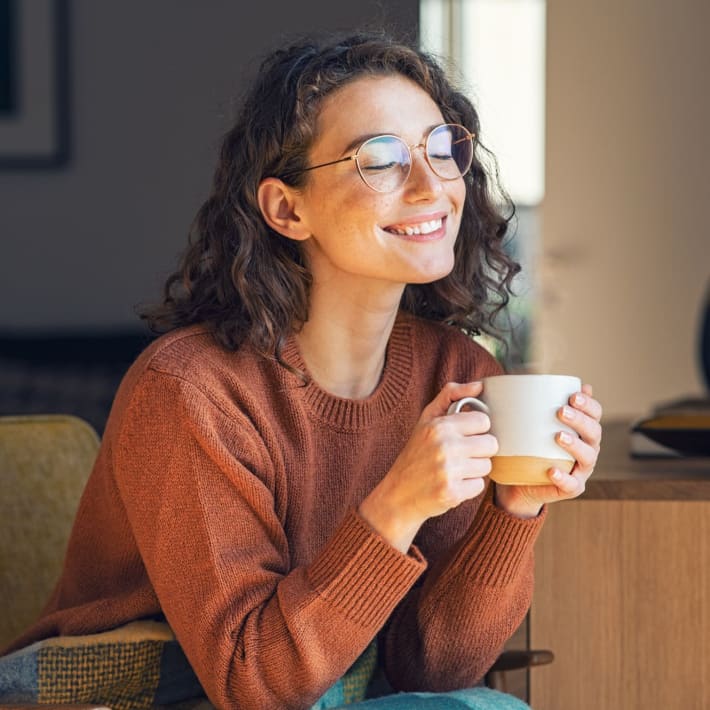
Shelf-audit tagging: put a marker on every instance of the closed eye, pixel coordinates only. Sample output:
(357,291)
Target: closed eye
(382,166)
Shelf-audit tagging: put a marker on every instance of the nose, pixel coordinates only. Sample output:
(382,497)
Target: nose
(422,184)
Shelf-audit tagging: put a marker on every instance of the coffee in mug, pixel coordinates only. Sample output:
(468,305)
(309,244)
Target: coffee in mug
(523,413)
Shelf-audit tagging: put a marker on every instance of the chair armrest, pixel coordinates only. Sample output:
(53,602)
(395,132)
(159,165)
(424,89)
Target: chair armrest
(514,660)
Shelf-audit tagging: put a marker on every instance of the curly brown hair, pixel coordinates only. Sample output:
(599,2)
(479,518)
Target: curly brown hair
(250,284)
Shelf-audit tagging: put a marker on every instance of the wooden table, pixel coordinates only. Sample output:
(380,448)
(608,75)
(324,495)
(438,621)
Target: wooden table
(622,591)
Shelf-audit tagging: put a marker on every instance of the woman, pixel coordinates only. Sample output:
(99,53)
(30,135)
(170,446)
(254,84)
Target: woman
(278,475)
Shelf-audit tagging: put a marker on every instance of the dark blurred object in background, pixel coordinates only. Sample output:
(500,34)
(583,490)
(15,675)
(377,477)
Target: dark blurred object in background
(704,342)
(65,374)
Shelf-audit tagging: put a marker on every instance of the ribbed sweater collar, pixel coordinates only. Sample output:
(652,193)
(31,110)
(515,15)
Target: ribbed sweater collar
(356,414)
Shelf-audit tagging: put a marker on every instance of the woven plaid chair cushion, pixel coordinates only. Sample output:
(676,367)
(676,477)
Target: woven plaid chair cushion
(135,667)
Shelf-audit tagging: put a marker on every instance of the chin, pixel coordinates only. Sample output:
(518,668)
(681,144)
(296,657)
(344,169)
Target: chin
(430,276)
(439,271)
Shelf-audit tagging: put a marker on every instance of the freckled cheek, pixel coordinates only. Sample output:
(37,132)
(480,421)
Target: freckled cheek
(367,211)
(458,194)
(458,198)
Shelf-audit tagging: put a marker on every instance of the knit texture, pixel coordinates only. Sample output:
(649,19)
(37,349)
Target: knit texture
(225,496)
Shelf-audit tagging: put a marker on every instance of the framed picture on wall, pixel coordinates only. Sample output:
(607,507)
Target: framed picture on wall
(33,84)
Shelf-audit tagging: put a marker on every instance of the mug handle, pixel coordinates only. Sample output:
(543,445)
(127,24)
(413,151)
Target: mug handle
(475,404)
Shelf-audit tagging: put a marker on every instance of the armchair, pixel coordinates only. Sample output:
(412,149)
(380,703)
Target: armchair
(45,461)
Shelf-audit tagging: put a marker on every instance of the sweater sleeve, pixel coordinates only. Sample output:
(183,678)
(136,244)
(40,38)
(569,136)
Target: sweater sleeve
(195,482)
(448,631)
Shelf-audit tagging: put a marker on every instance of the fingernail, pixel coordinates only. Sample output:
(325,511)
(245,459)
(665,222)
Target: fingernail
(557,475)
(579,399)
(567,412)
(565,438)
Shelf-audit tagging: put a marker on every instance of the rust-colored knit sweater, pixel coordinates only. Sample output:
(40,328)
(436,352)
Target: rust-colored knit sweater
(224,496)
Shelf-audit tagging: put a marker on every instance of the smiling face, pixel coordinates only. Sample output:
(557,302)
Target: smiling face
(357,237)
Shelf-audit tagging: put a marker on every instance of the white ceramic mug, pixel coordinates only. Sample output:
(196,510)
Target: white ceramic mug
(523,413)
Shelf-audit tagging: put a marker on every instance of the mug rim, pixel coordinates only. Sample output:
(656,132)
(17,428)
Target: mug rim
(532,375)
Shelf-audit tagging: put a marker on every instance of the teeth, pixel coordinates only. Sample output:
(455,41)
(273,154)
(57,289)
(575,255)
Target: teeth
(421,228)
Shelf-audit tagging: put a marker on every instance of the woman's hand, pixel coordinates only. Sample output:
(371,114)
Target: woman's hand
(583,414)
(443,464)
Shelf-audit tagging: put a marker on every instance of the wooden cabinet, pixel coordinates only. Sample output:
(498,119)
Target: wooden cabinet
(622,591)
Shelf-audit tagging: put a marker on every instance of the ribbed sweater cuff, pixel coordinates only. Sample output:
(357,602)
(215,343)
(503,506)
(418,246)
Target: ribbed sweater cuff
(498,543)
(362,574)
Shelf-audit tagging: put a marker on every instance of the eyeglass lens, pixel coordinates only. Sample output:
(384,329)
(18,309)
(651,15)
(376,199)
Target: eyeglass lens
(384,162)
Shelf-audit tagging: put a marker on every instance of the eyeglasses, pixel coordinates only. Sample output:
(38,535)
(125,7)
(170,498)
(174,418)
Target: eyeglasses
(385,162)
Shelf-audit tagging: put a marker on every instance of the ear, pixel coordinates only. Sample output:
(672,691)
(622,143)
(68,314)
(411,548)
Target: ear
(279,206)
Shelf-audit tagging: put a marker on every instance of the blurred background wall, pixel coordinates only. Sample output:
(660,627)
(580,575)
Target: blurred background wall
(151,91)
(624,256)
(625,253)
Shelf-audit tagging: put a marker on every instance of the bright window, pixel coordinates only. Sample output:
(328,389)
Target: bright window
(496,49)
(498,46)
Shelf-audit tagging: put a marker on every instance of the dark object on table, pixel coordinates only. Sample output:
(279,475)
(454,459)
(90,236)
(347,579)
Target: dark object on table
(678,428)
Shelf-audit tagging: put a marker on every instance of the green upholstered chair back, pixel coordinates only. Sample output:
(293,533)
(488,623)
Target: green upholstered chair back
(45,461)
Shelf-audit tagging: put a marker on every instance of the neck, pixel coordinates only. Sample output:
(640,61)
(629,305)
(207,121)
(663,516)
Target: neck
(344,342)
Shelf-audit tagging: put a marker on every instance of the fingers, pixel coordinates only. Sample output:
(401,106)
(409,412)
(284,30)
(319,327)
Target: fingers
(584,448)
(461,436)
(468,423)
(471,487)
(586,403)
(583,453)
(568,485)
(583,415)
(481,446)
(462,450)
(453,492)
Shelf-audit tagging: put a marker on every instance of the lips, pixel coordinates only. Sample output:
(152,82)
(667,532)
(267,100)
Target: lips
(417,228)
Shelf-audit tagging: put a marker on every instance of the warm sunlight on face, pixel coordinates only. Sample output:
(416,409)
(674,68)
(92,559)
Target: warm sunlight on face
(362,238)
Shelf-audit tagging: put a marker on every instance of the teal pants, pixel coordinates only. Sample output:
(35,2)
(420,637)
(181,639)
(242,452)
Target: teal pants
(471,699)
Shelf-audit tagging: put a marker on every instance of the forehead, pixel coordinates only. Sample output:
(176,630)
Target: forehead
(375,104)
